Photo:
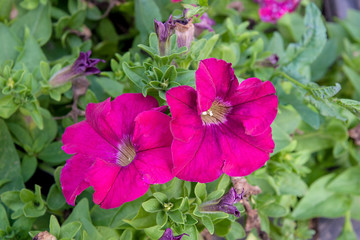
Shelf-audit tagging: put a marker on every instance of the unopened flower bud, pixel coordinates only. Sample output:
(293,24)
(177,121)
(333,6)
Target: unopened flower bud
(164,32)
(184,30)
(83,66)
(168,235)
(223,204)
(270,61)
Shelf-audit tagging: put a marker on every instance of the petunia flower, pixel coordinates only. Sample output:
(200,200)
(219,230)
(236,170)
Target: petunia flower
(164,32)
(121,148)
(222,126)
(205,23)
(83,66)
(272,10)
(223,204)
(169,235)
(175,1)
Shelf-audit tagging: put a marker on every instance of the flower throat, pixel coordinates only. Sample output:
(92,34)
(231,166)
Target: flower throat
(216,114)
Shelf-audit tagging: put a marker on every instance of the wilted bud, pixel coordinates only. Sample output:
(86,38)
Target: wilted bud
(44,236)
(168,235)
(223,204)
(184,30)
(83,66)
(164,32)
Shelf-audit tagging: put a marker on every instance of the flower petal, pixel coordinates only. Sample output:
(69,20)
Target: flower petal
(185,119)
(255,105)
(114,120)
(73,175)
(96,114)
(152,130)
(115,185)
(155,165)
(200,159)
(244,154)
(82,139)
(214,78)
(124,110)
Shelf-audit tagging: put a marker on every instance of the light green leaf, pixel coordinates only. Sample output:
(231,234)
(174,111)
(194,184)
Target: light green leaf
(347,182)
(321,202)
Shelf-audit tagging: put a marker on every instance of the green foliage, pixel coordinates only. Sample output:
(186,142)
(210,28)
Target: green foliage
(313,170)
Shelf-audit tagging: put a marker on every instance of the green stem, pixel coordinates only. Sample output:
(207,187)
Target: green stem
(46,168)
(294,81)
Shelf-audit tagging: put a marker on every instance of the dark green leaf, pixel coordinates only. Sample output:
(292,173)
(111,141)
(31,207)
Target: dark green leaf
(9,161)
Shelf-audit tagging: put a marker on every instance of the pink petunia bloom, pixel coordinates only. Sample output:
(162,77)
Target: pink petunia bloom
(174,1)
(272,10)
(223,126)
(121,148)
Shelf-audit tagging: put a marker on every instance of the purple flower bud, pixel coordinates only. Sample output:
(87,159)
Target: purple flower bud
(223,204)
(168,235)
(83,66)
(204,24)
(270,61)
(184,30)
(164,32)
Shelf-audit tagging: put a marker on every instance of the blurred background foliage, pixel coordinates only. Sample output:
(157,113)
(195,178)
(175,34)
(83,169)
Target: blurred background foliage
(313,172)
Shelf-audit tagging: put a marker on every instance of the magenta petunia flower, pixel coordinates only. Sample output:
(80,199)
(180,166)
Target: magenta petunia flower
(121,148)
(272,10)
(175,1)
(223,126)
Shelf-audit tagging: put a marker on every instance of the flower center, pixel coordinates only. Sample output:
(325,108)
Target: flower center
(126,153)
(216,114)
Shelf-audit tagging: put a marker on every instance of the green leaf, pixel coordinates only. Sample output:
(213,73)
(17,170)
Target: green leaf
(7,105)
(28,167)
(142,220)
(135,74)
(203,3)
(347,182)
(274,210)
(208,224)
(236,232)
(200,191)
(351,105)
(354,78)
(55,198)
(223,227)
(152,205)
(45,70)
(32,211)
(161,197)
(290,183)
(4,221)
(209,46)
(38,22)
(321,202)
(53,154)
(12,200)
(312,42)
(325,92)
(54,226)
(5,9)
(9,43)
(111,87)
(31,54)
(9,161)
(127,235)
(176,216)
(70,230)
(144,19)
